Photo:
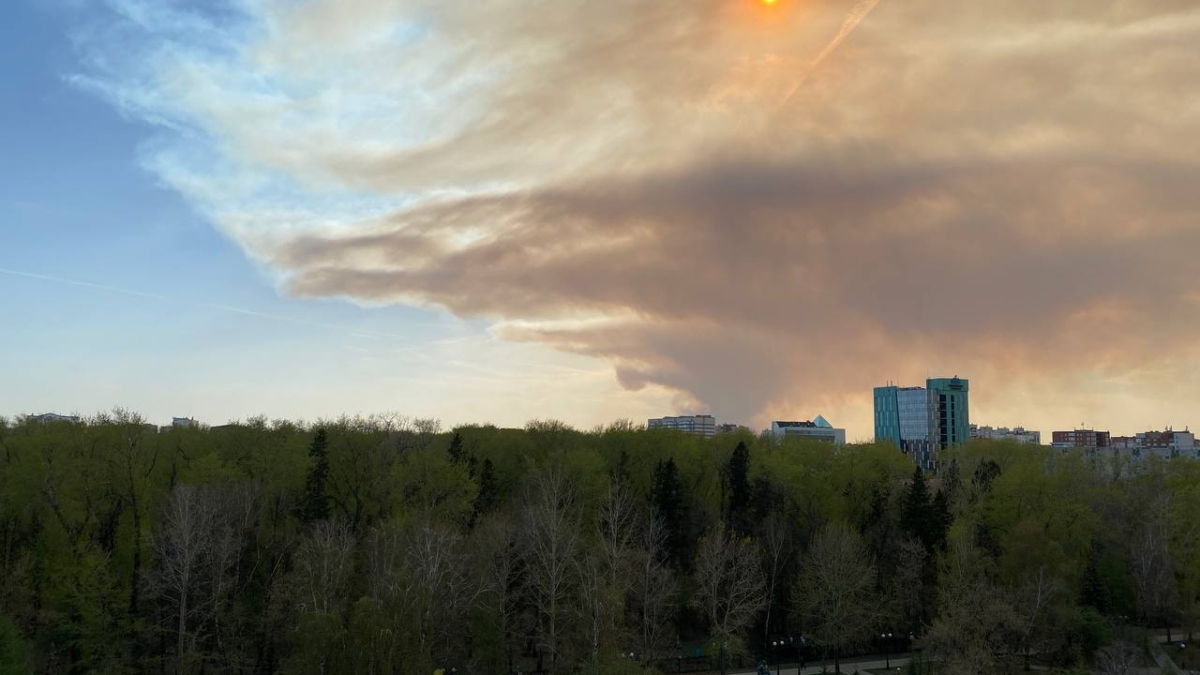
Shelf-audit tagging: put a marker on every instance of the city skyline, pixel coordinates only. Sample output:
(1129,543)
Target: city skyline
(199,217)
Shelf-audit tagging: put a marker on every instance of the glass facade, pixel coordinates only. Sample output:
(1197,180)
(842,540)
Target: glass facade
(952,410)
(921,420)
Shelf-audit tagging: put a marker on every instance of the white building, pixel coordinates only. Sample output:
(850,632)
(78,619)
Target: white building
(1167,444)
(700,425)
(55,417)
(817,430)
(184,422)
(1018,434)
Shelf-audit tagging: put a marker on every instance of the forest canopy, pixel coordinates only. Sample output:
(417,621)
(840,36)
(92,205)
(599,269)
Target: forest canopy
(390,545)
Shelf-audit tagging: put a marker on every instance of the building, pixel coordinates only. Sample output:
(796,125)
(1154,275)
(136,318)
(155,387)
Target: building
(1088,440)
(730,428)
(923,420)
(1167,444)
(1018,434)
(816,430)
(46,418)
(700,425)
(184,422)
(952,410)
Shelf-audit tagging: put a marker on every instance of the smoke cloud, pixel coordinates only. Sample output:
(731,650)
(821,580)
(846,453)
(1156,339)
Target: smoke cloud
(1004,191)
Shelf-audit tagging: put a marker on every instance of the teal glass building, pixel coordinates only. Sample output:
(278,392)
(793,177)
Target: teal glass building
(923,420)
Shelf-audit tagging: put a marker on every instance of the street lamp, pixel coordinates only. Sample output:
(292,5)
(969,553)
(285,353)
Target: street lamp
(887,654)
(776,644)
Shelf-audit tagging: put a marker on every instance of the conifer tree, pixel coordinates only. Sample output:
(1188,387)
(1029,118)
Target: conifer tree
(314,504)
(738,472)
(669,499)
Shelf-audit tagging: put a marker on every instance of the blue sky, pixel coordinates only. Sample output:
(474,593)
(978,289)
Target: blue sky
(178,320)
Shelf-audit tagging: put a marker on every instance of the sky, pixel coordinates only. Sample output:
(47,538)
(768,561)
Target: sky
(518,209)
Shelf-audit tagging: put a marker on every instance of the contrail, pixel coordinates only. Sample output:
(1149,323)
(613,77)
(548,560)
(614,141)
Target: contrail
(85,284)
(376,335)
(856,16)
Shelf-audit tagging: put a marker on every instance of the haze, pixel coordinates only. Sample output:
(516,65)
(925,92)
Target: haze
(586,210)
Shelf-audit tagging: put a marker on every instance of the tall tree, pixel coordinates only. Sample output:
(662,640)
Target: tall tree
(314,503)
(456,452)
(729,585)
(552,546)
(737,473)
(670,501)
(487,498)
(916,512)
(836,592)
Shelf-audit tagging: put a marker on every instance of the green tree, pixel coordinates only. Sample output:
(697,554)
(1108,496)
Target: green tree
(456,452)
(314,503)
(737,473)
(916,513)
(669,498)
(487,498)
(837,601)
(14,655)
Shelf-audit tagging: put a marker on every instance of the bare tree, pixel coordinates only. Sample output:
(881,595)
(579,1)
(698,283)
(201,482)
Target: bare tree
(1033,602)
(323,564)
(976,626)
(616,523)
(180,548)
(730,587)
(1152,574)
(1121,658)
(836,586)
(654,590)
(907,585)
(776,546)
(596,599)
(552,540)
(497,542)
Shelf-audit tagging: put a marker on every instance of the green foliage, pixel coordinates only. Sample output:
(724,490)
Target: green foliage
(314,503)
(14,654)
(382,544)
(669,498)
(737,513)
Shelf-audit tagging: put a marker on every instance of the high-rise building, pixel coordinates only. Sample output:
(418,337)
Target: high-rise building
(701,425)
(817,430)
(952,409)
(923,420)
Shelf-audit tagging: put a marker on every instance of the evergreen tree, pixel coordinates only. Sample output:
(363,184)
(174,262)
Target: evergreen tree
(952,482)
(943,518)
(487,497)
(457,455)
(669,498)
(1094,592)
(314,504)
(738,472)
(916,513)
(987,472)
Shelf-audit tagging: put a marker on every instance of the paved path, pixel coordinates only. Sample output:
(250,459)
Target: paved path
(848,667)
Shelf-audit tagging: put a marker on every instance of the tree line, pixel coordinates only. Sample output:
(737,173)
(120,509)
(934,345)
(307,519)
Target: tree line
(387,545)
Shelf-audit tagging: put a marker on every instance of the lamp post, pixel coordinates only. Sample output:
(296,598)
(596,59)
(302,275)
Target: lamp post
(775,645)
(887,654)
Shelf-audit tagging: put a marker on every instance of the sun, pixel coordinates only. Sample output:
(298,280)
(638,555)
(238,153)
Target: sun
(769,2)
